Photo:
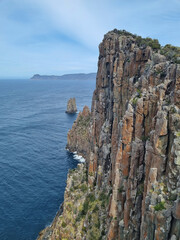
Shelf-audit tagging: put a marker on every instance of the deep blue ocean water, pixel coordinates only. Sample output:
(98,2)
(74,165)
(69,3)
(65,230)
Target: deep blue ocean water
(33,159)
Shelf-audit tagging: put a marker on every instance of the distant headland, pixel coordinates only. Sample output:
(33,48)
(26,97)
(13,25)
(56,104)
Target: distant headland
(76,76)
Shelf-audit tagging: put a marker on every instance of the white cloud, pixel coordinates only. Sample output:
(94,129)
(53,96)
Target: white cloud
(63,35)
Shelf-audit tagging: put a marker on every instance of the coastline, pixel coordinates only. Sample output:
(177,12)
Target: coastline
(45,233)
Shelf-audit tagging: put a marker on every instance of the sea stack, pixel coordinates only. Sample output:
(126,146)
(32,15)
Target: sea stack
(71,106)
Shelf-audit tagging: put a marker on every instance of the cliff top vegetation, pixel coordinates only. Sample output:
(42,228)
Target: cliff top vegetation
(172,53)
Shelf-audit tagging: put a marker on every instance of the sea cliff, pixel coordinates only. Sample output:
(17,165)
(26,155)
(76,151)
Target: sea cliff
(129,187)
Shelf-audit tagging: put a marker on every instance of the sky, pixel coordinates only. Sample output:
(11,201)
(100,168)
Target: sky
(56,37)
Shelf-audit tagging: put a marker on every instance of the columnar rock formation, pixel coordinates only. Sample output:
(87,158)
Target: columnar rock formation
(133,146)
(78,136)
(71,106)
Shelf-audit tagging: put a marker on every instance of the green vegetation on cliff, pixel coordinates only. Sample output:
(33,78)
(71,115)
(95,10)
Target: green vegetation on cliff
(172,53)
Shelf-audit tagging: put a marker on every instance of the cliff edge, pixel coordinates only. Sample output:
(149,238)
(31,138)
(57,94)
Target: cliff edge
(132,173)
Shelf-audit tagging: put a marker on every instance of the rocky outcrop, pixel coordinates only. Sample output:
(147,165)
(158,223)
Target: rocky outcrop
(71,106)
(78,136)
(133,144)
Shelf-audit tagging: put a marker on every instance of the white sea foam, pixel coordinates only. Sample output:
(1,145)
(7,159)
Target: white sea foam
(78,157)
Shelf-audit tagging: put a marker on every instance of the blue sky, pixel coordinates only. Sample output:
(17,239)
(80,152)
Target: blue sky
(62,36)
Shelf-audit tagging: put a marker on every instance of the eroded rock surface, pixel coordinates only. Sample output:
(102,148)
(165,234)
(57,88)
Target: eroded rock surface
(71,106)
(132,146)
(78,136)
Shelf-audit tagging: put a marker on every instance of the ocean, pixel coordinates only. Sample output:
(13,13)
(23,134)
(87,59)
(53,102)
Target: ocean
(33,159)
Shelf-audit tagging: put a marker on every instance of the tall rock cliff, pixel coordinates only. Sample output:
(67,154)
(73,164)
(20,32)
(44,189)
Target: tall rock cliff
(131,182)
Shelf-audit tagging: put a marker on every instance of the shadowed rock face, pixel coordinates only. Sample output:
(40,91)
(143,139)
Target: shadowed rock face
(71,106)
(78,136)
(133,144)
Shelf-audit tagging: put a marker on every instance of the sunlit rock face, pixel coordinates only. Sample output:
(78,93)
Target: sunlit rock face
(132,143)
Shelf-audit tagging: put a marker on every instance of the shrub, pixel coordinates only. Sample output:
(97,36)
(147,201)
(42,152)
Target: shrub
(139,93)
(84,188)
(171,52)
(160,206)
(102,196)
(144,42)
(84,229)
(154,43)
(64,224)
(91,197)
(69,207)
(134,102)
(173,110)
(91,174)
(75,178)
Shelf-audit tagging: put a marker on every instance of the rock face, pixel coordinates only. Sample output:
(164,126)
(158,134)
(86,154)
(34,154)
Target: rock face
(78,136)
(71,106)
(132,147)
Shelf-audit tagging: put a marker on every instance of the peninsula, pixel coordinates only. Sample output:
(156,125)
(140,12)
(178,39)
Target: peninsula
(77,76)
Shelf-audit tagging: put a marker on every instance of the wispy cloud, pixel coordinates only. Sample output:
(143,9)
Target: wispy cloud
(59,36)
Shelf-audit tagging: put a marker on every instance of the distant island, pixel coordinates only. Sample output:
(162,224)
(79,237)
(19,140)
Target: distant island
(76,76)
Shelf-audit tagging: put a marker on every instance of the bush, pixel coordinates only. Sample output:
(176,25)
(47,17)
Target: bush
(139,93)
(171,52)
(173,110)
(160,206)
(91,197)
(84,188)
(144,42)
(64,224)
(75,178)
(134,102)
(84,229)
